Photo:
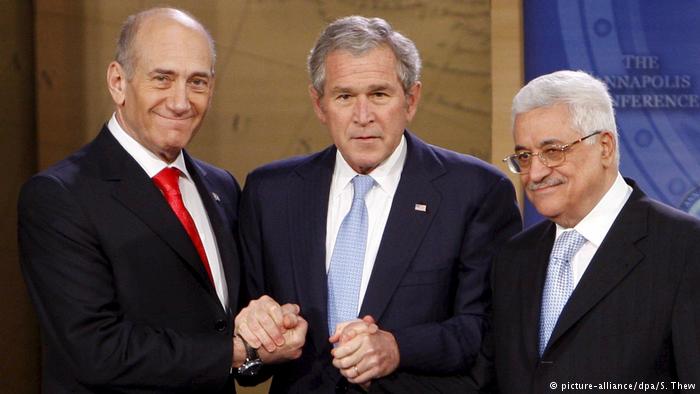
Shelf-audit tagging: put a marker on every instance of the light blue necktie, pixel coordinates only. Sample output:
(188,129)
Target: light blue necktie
(559,283)
(345,272)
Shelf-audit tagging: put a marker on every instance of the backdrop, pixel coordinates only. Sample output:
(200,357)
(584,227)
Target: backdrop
(649,55)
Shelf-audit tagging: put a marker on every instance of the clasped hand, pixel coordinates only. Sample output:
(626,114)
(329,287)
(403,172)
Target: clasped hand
(277,331)
(363,352)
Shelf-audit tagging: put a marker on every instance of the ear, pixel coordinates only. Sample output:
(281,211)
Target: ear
(116,82)
(412,99)
(316,102)
(609,148)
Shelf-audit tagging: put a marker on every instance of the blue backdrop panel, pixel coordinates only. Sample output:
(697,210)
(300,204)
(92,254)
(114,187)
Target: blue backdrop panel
(648,52)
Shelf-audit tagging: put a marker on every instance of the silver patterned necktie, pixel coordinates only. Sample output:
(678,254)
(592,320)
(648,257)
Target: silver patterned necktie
(559,283)
(347,260)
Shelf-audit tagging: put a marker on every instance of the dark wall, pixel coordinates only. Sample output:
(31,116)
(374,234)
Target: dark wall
(19,338)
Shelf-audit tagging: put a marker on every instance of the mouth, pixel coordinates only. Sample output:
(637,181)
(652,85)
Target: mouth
(545,184)
(364,138)
(174,118)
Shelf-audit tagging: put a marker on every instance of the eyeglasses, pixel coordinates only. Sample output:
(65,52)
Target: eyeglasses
(550,156)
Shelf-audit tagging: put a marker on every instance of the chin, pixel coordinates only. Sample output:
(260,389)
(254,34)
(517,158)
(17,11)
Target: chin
(545,208)
(550,214)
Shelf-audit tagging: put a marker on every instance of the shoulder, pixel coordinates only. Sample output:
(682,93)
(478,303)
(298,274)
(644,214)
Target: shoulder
(527,240)
(216,173)
(666,219)
(71,172)
(216,180)
(458,166)
(281,170)
(473,166)
(467,178)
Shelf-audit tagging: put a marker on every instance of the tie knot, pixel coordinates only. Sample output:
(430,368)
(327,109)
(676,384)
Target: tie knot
(568,243)
(167,180)
(362,184)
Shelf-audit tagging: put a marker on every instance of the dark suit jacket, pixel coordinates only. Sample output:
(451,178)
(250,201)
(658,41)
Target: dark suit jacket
(124,302)
(633,317)
(429,282)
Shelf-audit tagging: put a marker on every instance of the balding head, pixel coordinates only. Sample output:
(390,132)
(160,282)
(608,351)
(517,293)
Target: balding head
(127,50)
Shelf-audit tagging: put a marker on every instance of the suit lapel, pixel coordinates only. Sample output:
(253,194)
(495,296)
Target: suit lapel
(533,271)
(222,228)
(406,226)
(616,257)
(307,204)
(135,190)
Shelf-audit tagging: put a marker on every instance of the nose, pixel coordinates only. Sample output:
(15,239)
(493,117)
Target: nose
(362,112)
(538,170)
(179,100)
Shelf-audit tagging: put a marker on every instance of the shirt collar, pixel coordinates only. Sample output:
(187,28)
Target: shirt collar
(386,176)
(149,161)
(595,226)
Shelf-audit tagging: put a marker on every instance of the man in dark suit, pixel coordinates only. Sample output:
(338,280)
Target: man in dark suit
(128,246)
(429,222)
(604,295)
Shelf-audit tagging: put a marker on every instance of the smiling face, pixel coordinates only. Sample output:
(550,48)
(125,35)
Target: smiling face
(163,104)
(364,106)
(566,193)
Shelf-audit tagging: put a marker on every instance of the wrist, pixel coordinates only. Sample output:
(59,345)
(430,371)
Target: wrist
(251,363)
(239,353)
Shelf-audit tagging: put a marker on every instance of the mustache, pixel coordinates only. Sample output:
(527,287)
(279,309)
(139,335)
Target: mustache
(546,182)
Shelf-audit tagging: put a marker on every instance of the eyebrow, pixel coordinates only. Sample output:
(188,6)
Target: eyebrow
(165,71)
(370,88)
(551,141)
(341,89)
(382,86)
(162,71)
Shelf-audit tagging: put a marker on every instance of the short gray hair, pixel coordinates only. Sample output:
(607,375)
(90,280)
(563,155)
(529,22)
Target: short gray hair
(359,35)
(125,54)
(589,103)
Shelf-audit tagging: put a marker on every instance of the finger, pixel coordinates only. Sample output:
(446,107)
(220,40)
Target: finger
(352,330)
(368,319)
(291,308)
(349,334)
(339,329)
(274,311)
(289,321)
(248,336)
(345,363)
(361,373)
(349,353)
(351,372)
(301,327)
(269,332)
(263,306)
(364,377)
(263,328)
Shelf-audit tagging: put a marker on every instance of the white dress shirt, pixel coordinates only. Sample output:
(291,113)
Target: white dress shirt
(152,165)
(595,226)
(378,200)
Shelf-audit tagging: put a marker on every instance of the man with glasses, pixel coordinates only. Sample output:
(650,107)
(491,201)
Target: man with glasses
(604,295)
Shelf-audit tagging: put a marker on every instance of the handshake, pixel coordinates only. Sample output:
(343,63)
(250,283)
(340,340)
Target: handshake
(361,351)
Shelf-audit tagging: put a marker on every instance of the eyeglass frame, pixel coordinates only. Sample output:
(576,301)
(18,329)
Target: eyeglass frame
(563,149)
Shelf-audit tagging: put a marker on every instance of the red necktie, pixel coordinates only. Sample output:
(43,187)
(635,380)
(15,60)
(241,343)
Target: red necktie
(167,182)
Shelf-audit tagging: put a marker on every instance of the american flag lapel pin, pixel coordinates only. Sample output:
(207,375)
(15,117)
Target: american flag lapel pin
(421,207)
(216,197)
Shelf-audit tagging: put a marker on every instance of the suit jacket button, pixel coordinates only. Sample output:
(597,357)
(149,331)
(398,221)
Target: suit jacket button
(220,325)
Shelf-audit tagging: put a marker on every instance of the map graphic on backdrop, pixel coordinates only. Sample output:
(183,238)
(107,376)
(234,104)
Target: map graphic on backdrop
(261,109)
(649,55)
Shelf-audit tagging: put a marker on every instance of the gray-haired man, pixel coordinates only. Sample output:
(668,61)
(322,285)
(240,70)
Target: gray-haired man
(379,225)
